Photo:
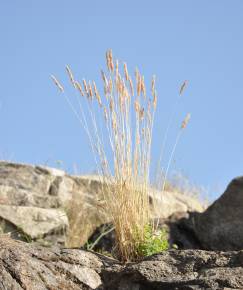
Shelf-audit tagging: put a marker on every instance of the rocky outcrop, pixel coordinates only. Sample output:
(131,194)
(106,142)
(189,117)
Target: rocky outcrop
(220,226)
(29,267)
(30,203)
(174,270)
(24,266)
(34,203)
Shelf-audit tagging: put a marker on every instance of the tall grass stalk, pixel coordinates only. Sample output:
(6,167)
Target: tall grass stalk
(159,170)
(128,113)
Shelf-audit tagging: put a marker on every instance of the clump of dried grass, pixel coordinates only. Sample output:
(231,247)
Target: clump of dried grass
(127,110)
(128,114)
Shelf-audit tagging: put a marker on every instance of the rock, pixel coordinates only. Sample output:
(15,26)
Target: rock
(28,191)
(33,223)
(24,266)
(220,226)
(175,270)
(40,187)
(178,232)
(166,203)
(30,267)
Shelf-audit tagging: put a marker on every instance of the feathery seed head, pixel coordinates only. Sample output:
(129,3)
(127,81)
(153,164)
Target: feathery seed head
(143,88)
(79,88)
(139,85)
(153,85)
(85,87)
(97,95)
(141,114)
(155,99)
(111,105)
(126,71)
(95,89)
(90,90)
(137,106)
(131,86)
(185,121)
(183,86)
(57,83)
(105,114)
(109,60)
(110,86)
(117,68)
(70,74)
(103,76)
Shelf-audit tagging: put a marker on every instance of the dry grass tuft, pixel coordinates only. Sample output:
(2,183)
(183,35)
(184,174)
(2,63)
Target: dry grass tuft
(128,120)
(126,112)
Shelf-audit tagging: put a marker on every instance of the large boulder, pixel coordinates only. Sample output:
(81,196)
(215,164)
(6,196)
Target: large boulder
(36,202)
(30,267)
(44,226)
(220,226)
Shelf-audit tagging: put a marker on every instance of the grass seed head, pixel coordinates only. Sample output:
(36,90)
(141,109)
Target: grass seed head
(70,74)
(90,90)
(153,85)
(137,106)
(117,68)
(57,83)
(143,88)
(110,86)
(109,60)
(185,121)
(155,98)
(126,71)
(79,88)
(105,114)
(141,114)
(131,86)
(85,87)
(183,86)
(139,85)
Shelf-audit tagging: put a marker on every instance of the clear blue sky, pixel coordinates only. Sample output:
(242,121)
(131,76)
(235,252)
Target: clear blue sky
(201,41)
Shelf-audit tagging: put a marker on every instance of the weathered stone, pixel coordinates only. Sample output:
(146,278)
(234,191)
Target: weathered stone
(220,226)
(25,266)
(32,223)
(38,187)
(166,203)
(175,270)
(26,185)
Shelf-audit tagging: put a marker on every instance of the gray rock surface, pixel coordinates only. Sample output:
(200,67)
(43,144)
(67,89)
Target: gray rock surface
(34,223)
(29,267)
(220,226)
(34,202)
(174,270)
(27,192)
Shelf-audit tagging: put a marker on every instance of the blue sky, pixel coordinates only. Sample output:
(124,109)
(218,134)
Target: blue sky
(200,41)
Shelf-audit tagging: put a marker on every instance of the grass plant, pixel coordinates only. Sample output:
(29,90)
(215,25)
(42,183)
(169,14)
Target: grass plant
(123,162)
